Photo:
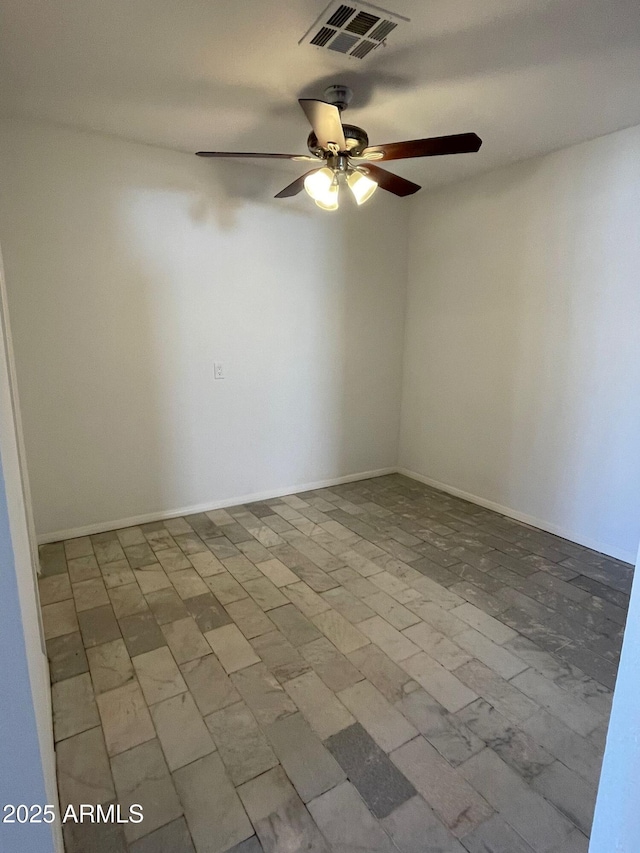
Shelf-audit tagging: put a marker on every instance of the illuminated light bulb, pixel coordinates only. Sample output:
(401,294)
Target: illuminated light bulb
(361,186)
(318,183)
(329,200)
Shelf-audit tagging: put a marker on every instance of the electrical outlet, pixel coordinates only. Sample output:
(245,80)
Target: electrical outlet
(218,370)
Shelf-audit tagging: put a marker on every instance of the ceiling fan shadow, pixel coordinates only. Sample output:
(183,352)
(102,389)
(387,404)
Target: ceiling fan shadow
(224,193)
(365,84)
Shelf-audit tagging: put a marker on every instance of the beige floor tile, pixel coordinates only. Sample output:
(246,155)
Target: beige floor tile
(385,724)
(437,646)
(159,539)
(206,564)
(177,526)
(386,637)
(80,547)
(98,626)
(535,820)
(264,593)
(443,685)
(350,606)
(84,774)
(263,796)
(240,568)
(52,558)
(263,694)
(572,711)
(391,611)
(335,670)
(278,573)
(209,684)
(391,585)
(188,583)
(345,637)
(181,729)
(279,656)
(173,560)
(243,747)
(307,580)
(127,600)
(185,640)
(158,675)
(491,654)
(457,804)
(322,709)
(348,824)
(231,648)
(215,816)
(220,517)
(306,760)
(151,580)
(114,575)
(74,707)
(89,594)
(390,679)
(125,718)
(110,666)
(305,599)
(59,619)
(107,551)
(141,777)
(83,568)
(128,536)
(66,656)
(251,620)
(225,588)
(487,625)
(54,588)
(166,606)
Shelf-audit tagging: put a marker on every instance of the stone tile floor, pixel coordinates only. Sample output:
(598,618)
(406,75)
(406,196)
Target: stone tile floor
(373,667)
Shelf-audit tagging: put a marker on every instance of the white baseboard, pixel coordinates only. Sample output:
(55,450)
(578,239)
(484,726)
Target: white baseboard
(601,547)
(117,524)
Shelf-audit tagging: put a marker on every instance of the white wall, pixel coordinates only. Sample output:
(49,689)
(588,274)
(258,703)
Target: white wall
(26,730)
(522,358)
(616,823)
(131,269)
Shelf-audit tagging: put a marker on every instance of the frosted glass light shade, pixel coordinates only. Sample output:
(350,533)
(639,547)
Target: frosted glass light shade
(361,186)
(318,183)
(329,200)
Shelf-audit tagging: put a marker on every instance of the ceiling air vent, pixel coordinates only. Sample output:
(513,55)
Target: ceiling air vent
(341,16)
(354,30)
(322,36)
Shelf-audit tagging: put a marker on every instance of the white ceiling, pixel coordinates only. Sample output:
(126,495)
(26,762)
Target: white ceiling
(528,76)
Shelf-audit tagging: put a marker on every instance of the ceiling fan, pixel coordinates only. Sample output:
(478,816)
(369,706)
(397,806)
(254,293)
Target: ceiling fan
(347,157)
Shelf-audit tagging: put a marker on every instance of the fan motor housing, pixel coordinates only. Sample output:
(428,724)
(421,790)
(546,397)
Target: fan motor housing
(356,139)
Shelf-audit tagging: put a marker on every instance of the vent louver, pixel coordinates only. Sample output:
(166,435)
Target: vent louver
(322,36)
(363,49)
(362,23)
(341,16)
(383,30)
(343,43)
(353,30)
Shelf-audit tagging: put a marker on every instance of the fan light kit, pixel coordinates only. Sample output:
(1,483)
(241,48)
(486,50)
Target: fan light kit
(347,157)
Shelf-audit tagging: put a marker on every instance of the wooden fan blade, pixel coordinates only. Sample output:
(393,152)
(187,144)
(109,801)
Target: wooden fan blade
(295,187)
(390,182)
(325,120)
(459,143)
(254,155)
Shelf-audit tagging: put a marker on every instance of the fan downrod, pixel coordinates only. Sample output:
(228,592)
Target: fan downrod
(338,95)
